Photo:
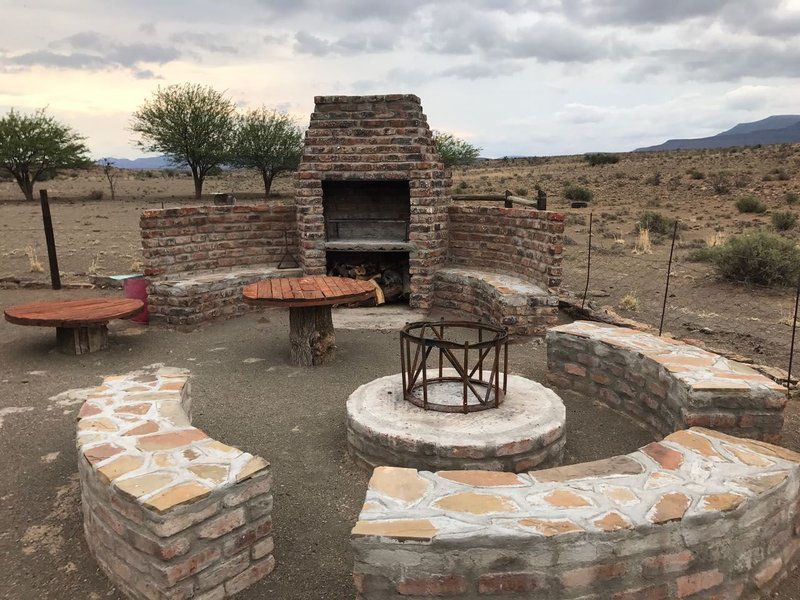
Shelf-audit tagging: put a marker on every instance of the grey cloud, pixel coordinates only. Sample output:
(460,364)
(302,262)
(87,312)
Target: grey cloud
(307,43)
(346,10)
(204,41)
(641,12)
(474,71)
(759,59)
(93,51)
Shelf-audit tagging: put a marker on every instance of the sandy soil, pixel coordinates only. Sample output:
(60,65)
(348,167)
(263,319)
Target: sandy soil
(318,491)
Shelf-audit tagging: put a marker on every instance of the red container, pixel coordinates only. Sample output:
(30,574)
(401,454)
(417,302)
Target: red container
(136,287)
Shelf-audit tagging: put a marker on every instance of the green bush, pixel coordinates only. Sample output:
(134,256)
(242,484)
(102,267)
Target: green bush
(695,174)
(784,221)
(791,198)
(656,223)
(706,254)
(750,204)
(758,257)
(578,193)
(601,158)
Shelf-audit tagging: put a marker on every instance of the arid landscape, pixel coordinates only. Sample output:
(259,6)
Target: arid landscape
(700,188)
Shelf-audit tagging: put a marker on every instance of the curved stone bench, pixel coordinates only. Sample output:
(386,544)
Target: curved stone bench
(665,383)
(700,514)
(188,299)
(523,307)
(168,511)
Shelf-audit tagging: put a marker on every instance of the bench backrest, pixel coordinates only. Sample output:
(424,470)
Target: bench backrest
(202,238)
(516,241)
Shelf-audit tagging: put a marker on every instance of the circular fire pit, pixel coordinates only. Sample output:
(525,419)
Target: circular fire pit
(526,431)
(475,352)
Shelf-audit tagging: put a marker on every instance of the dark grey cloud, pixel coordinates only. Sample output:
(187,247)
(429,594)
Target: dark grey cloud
(93,51)
(204,41)
(475,71)
(370,43)
(757,59)
(346,10)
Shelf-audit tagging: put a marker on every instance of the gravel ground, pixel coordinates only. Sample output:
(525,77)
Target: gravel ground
(293,417)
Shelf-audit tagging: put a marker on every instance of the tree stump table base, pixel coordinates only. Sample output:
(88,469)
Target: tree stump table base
(81,325)
(82,340)
(309,300)
(311,336)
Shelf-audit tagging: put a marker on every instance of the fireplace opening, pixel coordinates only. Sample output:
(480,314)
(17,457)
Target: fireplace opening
(366,215)
(388,269)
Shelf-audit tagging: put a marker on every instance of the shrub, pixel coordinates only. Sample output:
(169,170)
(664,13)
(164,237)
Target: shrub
(96,195)
(706,254)
(695,174)
(600,158)
(656,223)
(791,198)
(461,187)
(784,221)
(780,174)
(578,193)
(720,183)
(654,179)
(750,204)
(758,257)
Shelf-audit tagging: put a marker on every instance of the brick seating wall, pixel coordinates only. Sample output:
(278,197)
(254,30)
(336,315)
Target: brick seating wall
(522,244)
(168,511)
(698,515)
(199,258)
(664,383)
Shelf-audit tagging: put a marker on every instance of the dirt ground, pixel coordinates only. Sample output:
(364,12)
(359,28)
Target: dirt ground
(318,490)
(292,416)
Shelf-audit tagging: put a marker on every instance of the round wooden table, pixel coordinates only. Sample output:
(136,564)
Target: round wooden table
(81,325)
(309,300)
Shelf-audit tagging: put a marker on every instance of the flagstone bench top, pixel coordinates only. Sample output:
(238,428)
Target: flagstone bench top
(690,475)
(697,368)
(135,432)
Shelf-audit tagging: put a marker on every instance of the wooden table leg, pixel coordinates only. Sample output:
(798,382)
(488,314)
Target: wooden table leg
(311,335)
(82,340)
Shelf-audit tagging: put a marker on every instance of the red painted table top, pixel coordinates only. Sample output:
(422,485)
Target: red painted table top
(314,290)
(74,313)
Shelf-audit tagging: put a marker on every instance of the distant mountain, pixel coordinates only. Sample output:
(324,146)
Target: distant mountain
(777,129)
(151,162)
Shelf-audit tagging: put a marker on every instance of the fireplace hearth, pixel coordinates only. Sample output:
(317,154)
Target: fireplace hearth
(371,184)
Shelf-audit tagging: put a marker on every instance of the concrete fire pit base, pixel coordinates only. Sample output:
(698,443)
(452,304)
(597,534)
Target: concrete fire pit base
(525,432)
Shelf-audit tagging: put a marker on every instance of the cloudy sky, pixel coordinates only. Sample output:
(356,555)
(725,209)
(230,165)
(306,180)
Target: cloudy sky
(513,76)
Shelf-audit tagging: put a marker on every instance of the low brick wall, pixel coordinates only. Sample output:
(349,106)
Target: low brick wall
(664,383)
(503,265)
(205,238)
(168,511)
(515,241)
(699,514)
(199,258)
(523,308)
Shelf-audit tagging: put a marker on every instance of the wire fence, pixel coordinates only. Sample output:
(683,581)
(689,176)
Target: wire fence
(664,285)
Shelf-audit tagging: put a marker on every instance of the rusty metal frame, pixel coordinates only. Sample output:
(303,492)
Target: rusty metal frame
(425,337)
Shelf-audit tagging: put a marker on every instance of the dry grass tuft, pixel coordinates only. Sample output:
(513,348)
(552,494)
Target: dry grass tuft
(643,245)
(34,264)
(629,302)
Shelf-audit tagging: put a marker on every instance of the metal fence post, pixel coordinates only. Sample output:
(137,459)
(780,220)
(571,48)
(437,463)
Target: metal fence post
(669,272)
(588,263)
(791,346)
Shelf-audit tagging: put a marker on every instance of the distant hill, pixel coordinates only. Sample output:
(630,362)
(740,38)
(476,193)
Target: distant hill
(151,162)
(777,129)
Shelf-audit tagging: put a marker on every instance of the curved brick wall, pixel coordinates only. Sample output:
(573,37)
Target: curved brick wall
(665,383)
(700,514)
(516,241)
(168,511)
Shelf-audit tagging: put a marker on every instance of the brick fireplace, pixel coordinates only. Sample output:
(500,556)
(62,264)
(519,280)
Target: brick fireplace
(371,183)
